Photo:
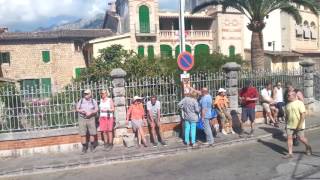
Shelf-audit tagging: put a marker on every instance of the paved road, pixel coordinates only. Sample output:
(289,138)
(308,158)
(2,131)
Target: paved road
(260,160)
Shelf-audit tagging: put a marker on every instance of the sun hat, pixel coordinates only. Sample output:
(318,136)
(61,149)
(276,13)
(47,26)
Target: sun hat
(221,90)
(87,91)
(136,98)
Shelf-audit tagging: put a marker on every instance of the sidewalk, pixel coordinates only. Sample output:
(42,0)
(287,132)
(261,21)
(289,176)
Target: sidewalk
(64,161)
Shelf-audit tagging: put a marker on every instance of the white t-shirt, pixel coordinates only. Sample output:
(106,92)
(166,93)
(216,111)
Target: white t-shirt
(105,105)
(266,95)
(278,95)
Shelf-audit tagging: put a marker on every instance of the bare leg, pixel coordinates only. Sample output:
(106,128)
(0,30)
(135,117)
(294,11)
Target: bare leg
(110,137)
(139,137)
(143,138)
(289,141)
(153,132)
(83,139)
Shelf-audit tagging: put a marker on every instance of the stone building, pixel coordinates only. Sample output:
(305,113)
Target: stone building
(141,26)
(48,59)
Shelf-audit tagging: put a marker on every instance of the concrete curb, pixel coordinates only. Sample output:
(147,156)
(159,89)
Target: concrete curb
(93,162)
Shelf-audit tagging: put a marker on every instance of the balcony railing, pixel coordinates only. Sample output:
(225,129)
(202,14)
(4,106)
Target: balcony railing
(146,30)
(190,34)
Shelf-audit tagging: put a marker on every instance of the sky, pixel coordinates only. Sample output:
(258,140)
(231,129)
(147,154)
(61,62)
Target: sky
(27,15)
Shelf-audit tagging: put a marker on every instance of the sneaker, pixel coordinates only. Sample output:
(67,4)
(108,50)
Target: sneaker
(308,150)
(232,131)
(194,145)
(84,149)
(145,145)
(241,134)
(155,144)
(92,148)
(163,143)
(251,133)
(288,156)
(106,145)
(224,132)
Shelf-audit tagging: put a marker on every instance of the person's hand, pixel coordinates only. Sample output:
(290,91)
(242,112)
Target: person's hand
(88,114)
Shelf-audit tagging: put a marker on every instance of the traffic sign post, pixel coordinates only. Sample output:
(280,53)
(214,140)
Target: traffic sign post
(185,63)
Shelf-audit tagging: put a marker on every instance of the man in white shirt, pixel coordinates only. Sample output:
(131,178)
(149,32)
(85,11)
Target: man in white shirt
(154,107)
(268,103)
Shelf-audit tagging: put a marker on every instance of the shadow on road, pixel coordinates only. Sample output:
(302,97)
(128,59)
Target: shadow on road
(274,147)
(276,133)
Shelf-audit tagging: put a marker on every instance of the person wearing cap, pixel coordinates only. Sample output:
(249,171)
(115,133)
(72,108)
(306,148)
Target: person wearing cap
(136,115)
(248,97)
(106,120)
(221,103)
(87,108)
(206,114)
(154,112)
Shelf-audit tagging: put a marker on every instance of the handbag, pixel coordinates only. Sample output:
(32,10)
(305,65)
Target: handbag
(200,124)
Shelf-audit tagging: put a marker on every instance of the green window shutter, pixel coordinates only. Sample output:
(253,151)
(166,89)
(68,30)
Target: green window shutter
(141,51)
(232,51)
(46,86)
(144,19)
(150,52)
(165,51)
(188,49)
(5,57)
(46,56)
(79,71)
(201,49)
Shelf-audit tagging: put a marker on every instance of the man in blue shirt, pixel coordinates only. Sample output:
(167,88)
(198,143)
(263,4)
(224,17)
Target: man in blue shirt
(206,108)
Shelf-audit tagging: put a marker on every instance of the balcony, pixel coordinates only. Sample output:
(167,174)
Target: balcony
(191,35)
(146,31)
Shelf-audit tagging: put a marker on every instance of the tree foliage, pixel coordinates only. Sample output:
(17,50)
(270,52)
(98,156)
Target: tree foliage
(116,57)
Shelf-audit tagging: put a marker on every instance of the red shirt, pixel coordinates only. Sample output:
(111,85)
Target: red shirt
(250,92)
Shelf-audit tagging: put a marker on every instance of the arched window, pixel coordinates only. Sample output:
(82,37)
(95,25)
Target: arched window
(201,49)
(313,30)
(150,52)
(306,30)
(232,50)
(144,19)
(165,51)
(188,48)
(140,51)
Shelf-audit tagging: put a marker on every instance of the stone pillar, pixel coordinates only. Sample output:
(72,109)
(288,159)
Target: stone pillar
(119,91)
(308,75)
(232,71)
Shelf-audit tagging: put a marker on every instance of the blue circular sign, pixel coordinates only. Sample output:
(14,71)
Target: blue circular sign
(185,61)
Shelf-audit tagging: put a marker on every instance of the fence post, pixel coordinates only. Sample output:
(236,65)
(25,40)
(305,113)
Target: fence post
(119,91)
(232,70)
(308,76)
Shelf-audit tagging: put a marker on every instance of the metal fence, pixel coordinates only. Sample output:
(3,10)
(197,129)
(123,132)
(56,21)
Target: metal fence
(37,108)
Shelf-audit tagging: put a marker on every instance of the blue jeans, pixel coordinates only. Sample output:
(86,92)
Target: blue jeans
(190,128)
(208,131)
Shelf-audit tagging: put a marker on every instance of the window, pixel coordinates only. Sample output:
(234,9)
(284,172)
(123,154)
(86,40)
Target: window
(166,51)
(150,52)
(201,49)
(36,87)
(79,71)
(141,51)
(232,51)
(144,19)
(46,56)
(4,57)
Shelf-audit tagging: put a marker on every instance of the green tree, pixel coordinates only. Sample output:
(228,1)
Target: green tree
(256,11)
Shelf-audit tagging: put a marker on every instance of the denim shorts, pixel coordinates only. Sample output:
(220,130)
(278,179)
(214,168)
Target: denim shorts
(248,113)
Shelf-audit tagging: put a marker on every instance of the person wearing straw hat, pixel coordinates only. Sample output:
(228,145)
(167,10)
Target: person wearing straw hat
(106,120)
(136,115)
(87,108)
(221,102)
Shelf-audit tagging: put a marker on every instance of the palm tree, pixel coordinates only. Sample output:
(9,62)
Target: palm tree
(256,11)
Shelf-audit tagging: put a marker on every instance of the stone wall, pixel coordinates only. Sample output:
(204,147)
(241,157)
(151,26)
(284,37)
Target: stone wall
(26,61)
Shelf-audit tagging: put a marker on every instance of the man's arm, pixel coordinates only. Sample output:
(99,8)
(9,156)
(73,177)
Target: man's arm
(302,116)
(159,110)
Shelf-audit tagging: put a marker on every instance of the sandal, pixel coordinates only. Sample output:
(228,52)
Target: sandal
(308,150)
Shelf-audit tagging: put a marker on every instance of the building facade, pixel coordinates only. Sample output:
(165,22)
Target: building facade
(149,31)
(286,43)
(45,59)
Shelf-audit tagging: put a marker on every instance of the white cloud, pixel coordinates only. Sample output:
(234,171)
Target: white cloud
(31,11)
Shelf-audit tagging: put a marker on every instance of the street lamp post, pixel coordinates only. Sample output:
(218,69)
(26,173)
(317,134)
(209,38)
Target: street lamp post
(182,27)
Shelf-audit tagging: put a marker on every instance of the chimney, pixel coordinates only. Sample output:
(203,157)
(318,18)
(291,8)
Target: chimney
(112,7)
(3,29)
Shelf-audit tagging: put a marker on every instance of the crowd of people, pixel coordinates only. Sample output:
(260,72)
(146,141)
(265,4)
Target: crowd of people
(199,111)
